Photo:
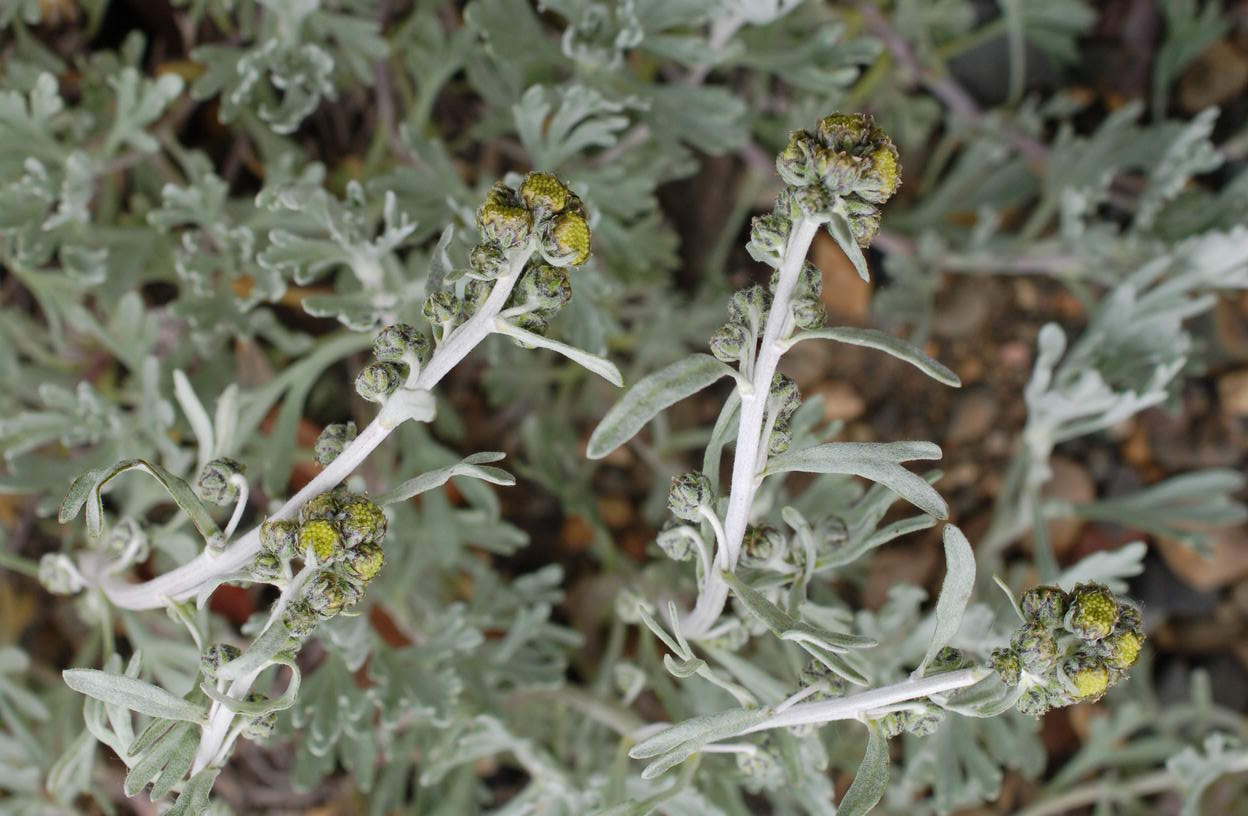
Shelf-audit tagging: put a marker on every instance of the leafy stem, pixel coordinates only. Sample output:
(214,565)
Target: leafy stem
(711,600)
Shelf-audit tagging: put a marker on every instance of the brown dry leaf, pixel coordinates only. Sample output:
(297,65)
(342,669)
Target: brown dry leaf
(17,610)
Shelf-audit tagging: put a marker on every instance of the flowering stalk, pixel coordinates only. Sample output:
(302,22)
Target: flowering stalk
(185,581)
(745,464)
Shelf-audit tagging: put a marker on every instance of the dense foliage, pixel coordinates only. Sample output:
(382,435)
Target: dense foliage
(321,484)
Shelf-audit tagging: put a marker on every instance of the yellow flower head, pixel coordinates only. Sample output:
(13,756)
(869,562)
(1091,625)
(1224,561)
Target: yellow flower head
(322,537)
(543,191)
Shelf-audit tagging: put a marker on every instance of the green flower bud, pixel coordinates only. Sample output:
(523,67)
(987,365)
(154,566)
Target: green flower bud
(543,286)
(769,238)
(216,483)
(676,540)
(58,575)
(760,544)
(781,437)
(260,727)
(882,174)
(864,221)
(266,568)
(832,533)
(565,240)
(1006,663)
(1046,605)
(689,493)
(796,162)
(279,537)
(922,723)
(364,562)
(376,381)
(1093,612)
(442,307)
(1121,650)
(332,440)
(324,506)
(543,192)
(759,767)
(300,619)
(847,132)
(215,657)
(831,684)
(502,219)
(785,398)
(749,305)
(947,659)
(805,202)
(326,594)
(840,172)
(811,279)
(475,294)
(487,261)
(892,723)
(1084,676)
(1129,619)
(808,313)
(729,342)
(323,538)
(361,521)
(400,343)
(1035,647)
(1034,702)
(127,538)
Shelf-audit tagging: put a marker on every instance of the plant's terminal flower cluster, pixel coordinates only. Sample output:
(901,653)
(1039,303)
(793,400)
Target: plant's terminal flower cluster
(848,158)
(1071,648)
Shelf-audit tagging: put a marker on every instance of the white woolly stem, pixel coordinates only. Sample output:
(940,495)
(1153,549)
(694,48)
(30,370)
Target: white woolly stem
(749,433)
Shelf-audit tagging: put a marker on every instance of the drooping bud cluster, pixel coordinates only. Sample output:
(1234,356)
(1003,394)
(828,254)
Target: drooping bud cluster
(218,481)
(332,440)
(782,403)
(1071,648)
(677,540)
(394,348)
(846,158)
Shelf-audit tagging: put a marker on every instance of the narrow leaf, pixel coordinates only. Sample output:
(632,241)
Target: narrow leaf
(134,694)
(868,786)
(877,461)
(600,366)
(471,467)
(882,341)
(955,592)
(649,396)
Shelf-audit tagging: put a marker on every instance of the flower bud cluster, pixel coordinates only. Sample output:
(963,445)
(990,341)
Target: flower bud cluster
(542,291)
(782,402)
(394,348)
(846,158)
(340,535)
(542,208)
(737,339)
(1071,648)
